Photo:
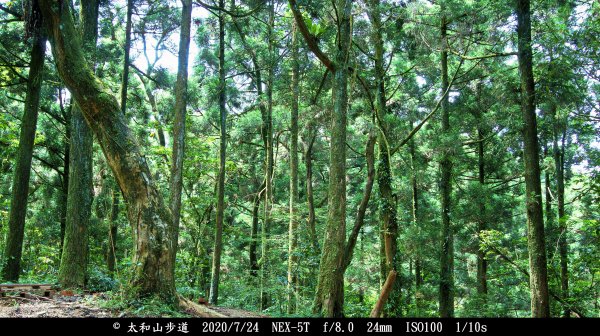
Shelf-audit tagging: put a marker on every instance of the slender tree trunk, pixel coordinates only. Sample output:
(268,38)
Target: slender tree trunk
(151,219)
(20,186)
(482,288)
(125,77)
(447,252)
(364,202)
(387,208)
(538,280)
(216,262)
(562,220)
(65,183)
(253,255)
(268,131)
(112,233)
(292,277)
(73,265)
(329,300)
(415,219)
(310,198)
(181,99)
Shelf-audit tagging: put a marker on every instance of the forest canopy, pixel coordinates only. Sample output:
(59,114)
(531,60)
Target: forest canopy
(383,158)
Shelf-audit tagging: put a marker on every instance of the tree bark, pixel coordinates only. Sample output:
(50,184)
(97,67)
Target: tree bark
(20,184)
(446,295)
(538,281)
(74,259)
(151,219)
(216,261)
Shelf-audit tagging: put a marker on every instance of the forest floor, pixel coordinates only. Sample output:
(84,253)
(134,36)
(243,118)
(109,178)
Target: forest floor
(89,305)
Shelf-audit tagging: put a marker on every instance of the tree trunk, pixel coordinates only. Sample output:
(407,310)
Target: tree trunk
(538,280)
(292,277)
(387,208)
(268,133)
(181,99)
(447,252)
(125,77)
(254,266)
(112,233)
(73,265)
(20,186)
(562,219)
(310,198)
(481,223)
(415,219)
(386,290)
(65,179)
(364,202)
(329,300)
(216,261)
(151,219)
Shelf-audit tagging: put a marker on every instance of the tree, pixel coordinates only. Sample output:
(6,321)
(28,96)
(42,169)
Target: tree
(150,218)
(74,259)
(329,300)
(20,186)
(538,281)
(216,263)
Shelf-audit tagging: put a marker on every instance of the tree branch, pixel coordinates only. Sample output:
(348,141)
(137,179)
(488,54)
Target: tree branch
(310,40)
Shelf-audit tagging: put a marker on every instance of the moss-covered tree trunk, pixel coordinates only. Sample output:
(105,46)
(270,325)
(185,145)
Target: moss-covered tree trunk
(387,208)
(216,261)
(11,267)
(538,279)
(150,218)
(329,300)
(74,259)
(292,277)
(446,294)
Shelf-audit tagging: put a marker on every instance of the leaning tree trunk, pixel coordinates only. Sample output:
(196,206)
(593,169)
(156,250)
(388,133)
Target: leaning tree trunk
(74,259)
(446,294)
(20,186)
(216,261)
(151,219)
(538,279)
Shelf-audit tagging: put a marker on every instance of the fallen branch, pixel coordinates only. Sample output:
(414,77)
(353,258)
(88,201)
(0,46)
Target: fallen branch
(200,310)
(385,293)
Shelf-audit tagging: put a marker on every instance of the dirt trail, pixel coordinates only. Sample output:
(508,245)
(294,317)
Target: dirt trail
(82,306)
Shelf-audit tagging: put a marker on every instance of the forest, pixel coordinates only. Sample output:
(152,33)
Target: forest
(304,158)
